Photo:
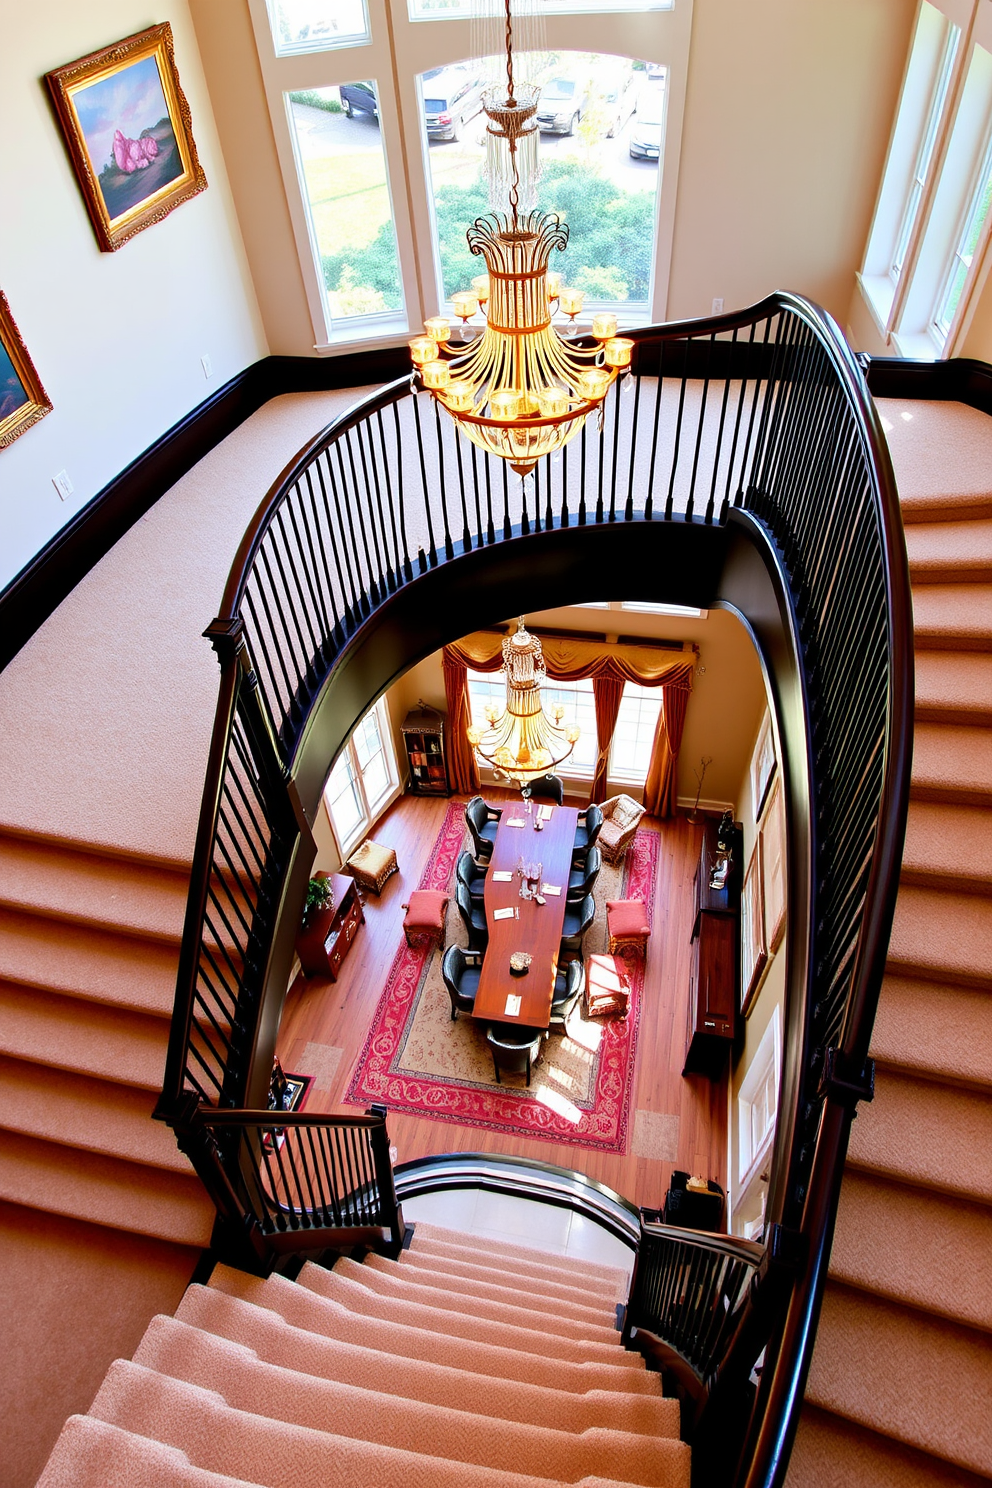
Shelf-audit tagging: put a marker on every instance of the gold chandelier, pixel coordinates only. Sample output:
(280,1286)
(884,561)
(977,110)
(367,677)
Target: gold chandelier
(521,741)
(518,390)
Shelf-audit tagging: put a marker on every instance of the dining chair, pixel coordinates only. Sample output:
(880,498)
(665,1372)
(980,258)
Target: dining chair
(547,787)
(569,986)
(460,971)
(514,1049)
(582,879)
(474,917)
(579,915)
(482,822)
(471,874)
(588,828)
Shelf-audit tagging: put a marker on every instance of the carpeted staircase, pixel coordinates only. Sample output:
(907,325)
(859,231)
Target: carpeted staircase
(460,1365)
(899,1391)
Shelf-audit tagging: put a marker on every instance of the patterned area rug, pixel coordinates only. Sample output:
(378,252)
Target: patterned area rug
(418,1061)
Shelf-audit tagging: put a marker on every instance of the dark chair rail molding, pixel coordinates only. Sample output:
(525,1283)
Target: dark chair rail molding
(55,570)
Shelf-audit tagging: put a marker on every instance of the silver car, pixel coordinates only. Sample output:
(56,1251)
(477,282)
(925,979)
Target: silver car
(561,105)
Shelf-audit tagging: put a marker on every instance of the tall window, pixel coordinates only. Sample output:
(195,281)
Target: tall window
(362,779)
(633,737)
(757,1103)
(575,697)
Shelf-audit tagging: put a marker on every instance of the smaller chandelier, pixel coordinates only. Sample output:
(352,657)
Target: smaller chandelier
(521,741)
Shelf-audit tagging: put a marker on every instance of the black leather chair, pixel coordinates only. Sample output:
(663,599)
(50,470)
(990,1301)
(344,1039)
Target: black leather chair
(691,1210)
(587,830)
(474,917)
(579,915)
(570,984)
(545,788)
(582,879)
(482,823)
(514,1049)
(460,970)
(468,872)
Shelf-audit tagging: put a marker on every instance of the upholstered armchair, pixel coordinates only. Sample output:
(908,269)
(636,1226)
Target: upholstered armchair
(621,816)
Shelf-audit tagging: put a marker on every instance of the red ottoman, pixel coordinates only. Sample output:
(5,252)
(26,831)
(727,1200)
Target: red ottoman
(627,925)
(607,988)
(423,923)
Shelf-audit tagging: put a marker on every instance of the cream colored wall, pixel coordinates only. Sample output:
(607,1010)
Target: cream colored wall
(771,994)
(116,338)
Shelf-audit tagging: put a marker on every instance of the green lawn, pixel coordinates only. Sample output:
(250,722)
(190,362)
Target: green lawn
(348,198)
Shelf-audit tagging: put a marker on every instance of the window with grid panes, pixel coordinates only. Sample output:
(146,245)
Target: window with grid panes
(575,697)
(633,737)
(361,780)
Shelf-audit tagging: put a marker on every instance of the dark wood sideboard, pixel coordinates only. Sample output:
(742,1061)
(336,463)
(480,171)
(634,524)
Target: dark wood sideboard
(327,936)
(713,968)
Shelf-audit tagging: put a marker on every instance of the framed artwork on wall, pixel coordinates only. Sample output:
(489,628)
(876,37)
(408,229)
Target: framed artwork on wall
(23,400)
(754,947)
(129,135)
(773,865)
(762,765)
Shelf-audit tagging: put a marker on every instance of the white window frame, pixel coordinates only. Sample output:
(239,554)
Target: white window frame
(761,1084)
(397,51)
(643,607)
(371,809)
(569,770)
(635,692)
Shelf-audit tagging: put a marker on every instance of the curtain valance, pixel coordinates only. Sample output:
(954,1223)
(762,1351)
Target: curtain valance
(569,660)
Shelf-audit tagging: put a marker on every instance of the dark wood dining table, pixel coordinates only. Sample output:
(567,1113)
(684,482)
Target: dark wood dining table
(536,928)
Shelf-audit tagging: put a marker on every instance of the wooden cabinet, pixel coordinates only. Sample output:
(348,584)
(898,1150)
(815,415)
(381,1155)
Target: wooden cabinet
(327,937)
(423,736)
(712,1009)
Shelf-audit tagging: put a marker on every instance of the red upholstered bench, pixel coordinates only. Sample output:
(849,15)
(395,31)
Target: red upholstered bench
(423,922)
(607,987)
(627,925)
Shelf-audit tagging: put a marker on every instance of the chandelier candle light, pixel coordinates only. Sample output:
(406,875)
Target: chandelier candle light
(521,741)
(518,389)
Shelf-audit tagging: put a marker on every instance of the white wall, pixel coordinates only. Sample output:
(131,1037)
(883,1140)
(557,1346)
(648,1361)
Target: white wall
(116,338)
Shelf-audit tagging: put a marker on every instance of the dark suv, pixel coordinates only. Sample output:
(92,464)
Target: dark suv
(452,96)
(359,98)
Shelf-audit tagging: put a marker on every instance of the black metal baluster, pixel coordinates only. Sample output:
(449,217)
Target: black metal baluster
(432,556)
(449,547)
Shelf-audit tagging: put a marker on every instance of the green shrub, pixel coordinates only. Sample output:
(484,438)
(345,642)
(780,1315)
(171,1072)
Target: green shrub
(313,99)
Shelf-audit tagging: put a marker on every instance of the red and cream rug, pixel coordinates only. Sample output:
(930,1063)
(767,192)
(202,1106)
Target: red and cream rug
(418,1061)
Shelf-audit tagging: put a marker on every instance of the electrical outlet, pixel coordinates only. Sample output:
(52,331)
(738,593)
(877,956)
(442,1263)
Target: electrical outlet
(63,485)
(717,306)
(205,363)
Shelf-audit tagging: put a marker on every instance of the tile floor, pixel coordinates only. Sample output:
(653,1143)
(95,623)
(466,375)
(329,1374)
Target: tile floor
(526,1222)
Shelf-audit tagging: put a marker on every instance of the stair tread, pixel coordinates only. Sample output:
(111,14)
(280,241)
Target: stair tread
(941,1032)
(954,687)
(104,1190)
(223,1439)
(946,1266)
(831,1452)
(942,550)
(92,1038)
(929,1378)
(444,1268)
(321,1315)
(941,451)
(452,1284)
(940,845)
(80,962)
(64,883)
(455,1433)
(934,1136)
(952,615)
(93,1454)
(280,1342)
(952,761)
(609,1276)
(82,1112)
(939,934)
(360,1298)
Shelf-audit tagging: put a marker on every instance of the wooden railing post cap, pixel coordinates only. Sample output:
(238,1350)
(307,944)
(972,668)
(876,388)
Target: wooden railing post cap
(226,636)
(844,1086)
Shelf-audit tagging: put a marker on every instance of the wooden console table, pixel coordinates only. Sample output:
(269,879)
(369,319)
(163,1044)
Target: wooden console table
(326,938)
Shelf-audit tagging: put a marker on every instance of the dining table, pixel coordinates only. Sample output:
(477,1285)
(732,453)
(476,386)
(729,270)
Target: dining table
(533,927)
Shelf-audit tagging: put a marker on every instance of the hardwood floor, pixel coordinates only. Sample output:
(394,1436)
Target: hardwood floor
(338,1014)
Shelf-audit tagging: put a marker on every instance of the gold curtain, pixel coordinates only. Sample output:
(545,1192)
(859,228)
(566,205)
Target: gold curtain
(660,787)
(462,768)
(607,690)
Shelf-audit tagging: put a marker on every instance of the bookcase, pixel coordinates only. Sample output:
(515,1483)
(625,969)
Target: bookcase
(423,736)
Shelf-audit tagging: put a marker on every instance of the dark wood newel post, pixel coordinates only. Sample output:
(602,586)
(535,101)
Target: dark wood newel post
(390,1209)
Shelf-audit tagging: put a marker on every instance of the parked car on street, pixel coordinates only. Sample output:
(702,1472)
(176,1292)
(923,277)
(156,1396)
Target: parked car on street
(452,96)
(645,132)
(359,98)
(561,105)
(617,95)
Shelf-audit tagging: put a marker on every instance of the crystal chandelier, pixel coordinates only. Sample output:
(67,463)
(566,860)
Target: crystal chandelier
(521,741)
(518,389)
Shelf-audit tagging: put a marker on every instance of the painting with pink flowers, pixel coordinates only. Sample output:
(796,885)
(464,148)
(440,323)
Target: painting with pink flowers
(127,126)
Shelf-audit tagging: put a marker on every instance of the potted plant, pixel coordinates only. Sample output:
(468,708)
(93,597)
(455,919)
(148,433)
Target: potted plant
(319,896)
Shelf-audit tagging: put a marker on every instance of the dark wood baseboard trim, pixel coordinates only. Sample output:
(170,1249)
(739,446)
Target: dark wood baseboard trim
(41,586)
(960,380)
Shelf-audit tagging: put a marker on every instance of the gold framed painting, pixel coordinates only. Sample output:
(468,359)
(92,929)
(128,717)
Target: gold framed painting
(23,400)
(754,947)
(773,865)
(762,765)
(129,134)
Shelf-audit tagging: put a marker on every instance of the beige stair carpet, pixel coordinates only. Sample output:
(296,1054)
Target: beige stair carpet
(900,1390)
